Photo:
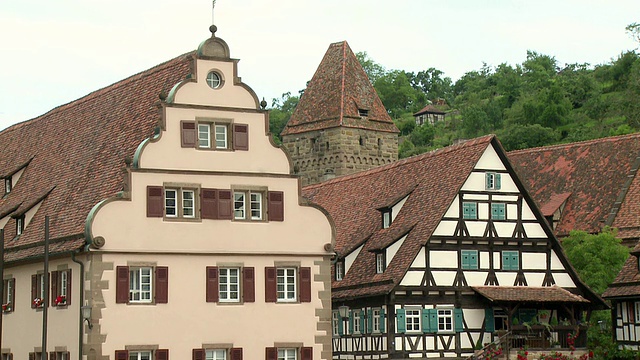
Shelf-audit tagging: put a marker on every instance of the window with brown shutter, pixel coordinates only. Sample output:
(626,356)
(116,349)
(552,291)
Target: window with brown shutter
(188,132)
(276,205)
(162,354)
(122,355)
(306,353)
(248,284)
(209,203)
(155,201)
(38,299)
(9,295)
(236,353)
(54,288)
(162,285)
(61,288)
(271,353)
(240,137)
(212,284)
(270,294)
(305,284)
(122,285)
(197,354)
(225,205)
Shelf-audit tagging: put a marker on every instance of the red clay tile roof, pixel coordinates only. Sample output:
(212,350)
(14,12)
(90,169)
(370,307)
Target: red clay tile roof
(627,283)
(554,204)
(74,156)
(335,93)
(353,202)
(528,293)
(597,173)
(429,109)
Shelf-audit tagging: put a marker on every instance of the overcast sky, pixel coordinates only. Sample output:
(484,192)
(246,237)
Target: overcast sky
(55,51)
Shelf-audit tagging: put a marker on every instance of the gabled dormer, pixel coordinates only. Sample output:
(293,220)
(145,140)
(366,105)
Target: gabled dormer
(11,178)
(390,212)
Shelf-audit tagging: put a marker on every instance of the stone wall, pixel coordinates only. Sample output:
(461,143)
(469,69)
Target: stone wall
(324,154)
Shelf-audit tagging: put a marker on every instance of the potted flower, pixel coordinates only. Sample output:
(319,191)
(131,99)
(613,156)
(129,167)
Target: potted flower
(6,307)
(60,300)
(37,302)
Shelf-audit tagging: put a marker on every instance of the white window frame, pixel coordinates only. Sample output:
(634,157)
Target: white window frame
(239,205)
(445,320)
(20,225)
(214,79)
(8,185)
(248,205)
(140,355)
(339,270)
(188,203)
(9,292)
(335,323)
(386,218)
(61,355)
(287,280)
(141,284)
(255,200)
(215,354)
(375,319)
(226,286)
(221,136)
(174,206)
(41,282)
(357,325)
(380,263)
(637,312)
(64,280)
(204,135)
(490,181)
(287,353)
(184,202)
(413,319)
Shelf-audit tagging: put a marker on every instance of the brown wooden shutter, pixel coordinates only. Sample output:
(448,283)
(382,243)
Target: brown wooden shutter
(212,284)
(69,282)
(122,285)
(188,129)
(240,137)
(13,294)
(155,201)
(270,294)
(236,353)
(54,286)
(305,284)
(225,205)
(162,354)
(162,285)
(32,356)
(52,355)
(122,354)
(197,354)
(34,289)
(276,205)
(306,353)
(208,203)
(248,284)
(271,353)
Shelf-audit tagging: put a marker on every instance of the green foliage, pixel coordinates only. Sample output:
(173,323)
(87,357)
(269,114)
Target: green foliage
(281,110)
(374,70)
(597,258)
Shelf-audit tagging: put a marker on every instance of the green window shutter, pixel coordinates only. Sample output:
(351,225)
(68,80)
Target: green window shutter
(469,259)
(473,260)
(498,211)
(426,326)
(402,320)
(469,210)
(465,259)
(363,317)
(382,320)
(433,320)
(506,261)
(340,326)
(473,209)
(369,320)
(497,183)
(487,180)
(351,322)
(489,321)
(457,314)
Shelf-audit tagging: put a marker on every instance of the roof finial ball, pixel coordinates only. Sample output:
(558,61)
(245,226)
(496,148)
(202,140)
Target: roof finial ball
(213,30)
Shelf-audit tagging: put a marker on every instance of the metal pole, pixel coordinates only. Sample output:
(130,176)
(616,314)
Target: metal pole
(2,279)
(45,279)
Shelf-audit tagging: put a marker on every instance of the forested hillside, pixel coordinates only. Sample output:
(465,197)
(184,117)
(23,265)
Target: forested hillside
(535,103)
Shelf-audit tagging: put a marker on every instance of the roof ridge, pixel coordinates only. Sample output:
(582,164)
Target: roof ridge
(407,161)
(343,75)
(577,143)
(99,92)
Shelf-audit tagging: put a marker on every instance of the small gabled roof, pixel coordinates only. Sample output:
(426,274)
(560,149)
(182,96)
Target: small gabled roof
(431,180)
(627,282)
(429,109)
(528,294)
(74,155)
(338,90)
(599,175)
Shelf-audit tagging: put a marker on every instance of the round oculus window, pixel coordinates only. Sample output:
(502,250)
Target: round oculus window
(213,80)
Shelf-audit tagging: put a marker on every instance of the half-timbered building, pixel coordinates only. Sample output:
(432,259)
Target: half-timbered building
(444,252)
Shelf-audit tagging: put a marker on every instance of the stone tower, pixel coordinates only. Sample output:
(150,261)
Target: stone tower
(340,125)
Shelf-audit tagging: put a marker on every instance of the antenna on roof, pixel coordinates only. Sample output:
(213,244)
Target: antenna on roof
(213,28)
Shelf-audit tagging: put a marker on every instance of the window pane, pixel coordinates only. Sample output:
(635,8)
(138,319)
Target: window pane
(188,203)
(219,354)
(204,135)
(221,136)
(286,284)
(256,206)
(170,202)
(229,284)
(238,205)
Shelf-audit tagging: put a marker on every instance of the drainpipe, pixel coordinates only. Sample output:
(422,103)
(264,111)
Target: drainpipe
(45,279)
(2,278)
(81,320)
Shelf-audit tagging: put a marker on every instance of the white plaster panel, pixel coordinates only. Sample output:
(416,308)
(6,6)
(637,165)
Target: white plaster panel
(483,211)
(504,198)
(534,279)
(474,317)
(465,342)
(31,213)
(536,261)
(419,261)
(534,230)
(4,221)
(527,214)
(393,249)
(505,229)
(476,228)
(395,210)
(468,197)
(446,228)
(512,212)
(15,177)
(490,160)
(555,262)
(484,259)
(563,280)
(349,259)
(443,259)
(452,211)
(444,278)
(619,334)
(475,278)
(497,264)
(430,342)
(412,278)
(506,278)
(475,181)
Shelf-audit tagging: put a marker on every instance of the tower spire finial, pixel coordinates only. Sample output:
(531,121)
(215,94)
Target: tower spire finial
(213,27)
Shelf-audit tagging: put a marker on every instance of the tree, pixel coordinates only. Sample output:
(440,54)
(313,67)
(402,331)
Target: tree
(397,94)
(516,137)
(433,84)
(374,70)
(279,114)
(633,30)
(597,258)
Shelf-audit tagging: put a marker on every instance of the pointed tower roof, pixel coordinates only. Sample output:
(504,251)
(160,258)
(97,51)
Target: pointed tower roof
(339,94)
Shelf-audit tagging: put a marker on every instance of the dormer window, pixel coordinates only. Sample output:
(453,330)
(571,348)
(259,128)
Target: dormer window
(492,181)
(339,270)
(380,263)
(363,112)
(19,225)
(386,218)
(8,185)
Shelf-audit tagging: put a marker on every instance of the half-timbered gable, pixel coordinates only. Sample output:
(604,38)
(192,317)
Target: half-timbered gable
(451,268)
